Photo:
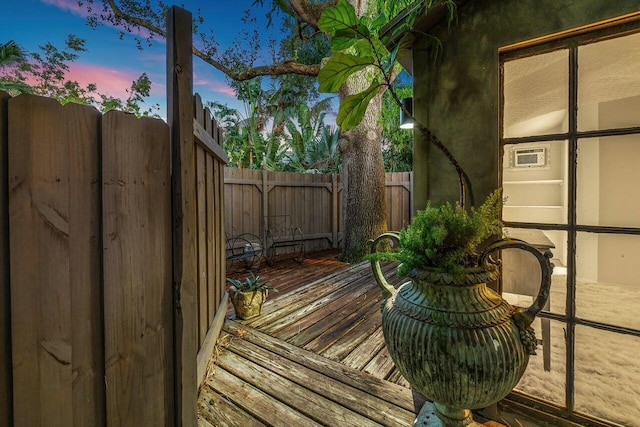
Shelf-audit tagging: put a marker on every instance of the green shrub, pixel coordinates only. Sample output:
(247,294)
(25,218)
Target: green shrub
(447,237)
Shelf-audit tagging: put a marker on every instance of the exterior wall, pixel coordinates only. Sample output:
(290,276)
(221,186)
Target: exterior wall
(457,94)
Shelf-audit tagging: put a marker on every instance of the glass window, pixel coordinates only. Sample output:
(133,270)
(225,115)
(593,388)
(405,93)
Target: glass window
(540,382)
(608,190)
(535,95)
(535,189)
(607,279)
(609,84)
(607,372)
(592,211)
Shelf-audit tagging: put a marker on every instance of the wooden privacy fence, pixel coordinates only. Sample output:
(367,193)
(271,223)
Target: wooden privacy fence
(111,256)
(313,202)
(89,205)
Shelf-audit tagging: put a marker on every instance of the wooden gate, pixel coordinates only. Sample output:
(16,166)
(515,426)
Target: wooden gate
(111,257)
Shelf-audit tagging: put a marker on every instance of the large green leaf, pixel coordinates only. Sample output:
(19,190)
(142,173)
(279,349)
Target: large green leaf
(353,107)
(345,38)
(342,16)
(377,23)
(338,69)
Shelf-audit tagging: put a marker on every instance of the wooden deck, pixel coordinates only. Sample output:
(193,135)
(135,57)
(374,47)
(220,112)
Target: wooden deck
(330,308)
(315,356)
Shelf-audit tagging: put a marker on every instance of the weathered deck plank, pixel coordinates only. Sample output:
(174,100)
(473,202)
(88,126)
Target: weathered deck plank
(363,354)
(333,314)
(381,365)
(357,315)
(275,309)
(349,341)
(308,329)
(391,393)
(215,410)
(254,402)
(327,301)
(285,381)
(317,383)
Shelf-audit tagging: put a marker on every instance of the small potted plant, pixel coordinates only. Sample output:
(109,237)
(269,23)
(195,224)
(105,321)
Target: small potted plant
(248,295)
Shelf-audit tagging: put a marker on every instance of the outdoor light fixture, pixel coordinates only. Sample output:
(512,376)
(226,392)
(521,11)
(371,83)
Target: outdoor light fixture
(406,122)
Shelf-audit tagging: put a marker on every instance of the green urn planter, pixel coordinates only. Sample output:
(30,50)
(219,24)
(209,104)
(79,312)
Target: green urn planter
(455,340)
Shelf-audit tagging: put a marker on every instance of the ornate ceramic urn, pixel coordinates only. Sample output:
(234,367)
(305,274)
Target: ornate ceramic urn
(455,340)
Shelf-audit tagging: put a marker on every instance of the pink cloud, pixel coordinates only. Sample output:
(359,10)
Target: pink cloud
(109,81)
(70,5)
(213,85)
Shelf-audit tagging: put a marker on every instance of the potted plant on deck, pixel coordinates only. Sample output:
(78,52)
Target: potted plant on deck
(248,295)
(454,339)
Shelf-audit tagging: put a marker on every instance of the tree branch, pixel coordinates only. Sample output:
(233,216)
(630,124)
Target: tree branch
(310,13)
(302,7)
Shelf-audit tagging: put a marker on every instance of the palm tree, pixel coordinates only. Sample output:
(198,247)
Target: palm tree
(12,55)
(314,145)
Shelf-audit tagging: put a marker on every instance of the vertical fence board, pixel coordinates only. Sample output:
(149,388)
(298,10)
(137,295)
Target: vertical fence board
(335,210)
(85,270)
(229,200)
(137,276)
(201,206)
(6,392)
(212,235)
(220,201)
(40,291)
(53,199)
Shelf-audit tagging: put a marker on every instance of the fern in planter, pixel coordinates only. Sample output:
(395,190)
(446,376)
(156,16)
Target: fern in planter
(446,237)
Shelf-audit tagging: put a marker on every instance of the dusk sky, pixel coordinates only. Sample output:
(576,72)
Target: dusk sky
(112,63)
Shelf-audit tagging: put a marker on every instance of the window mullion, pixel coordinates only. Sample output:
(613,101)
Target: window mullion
(571,222)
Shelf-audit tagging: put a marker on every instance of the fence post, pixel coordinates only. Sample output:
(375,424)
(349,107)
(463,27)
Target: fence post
(265,203)
(334,210)
(6,392)
(411,211)
(180,118)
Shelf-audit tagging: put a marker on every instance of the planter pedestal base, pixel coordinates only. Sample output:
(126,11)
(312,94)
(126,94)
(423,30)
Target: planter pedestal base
(429,416)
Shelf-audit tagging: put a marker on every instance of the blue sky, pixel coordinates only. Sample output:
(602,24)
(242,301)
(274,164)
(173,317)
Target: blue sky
(112,63)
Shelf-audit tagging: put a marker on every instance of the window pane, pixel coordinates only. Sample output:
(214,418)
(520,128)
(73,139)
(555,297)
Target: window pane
(608,190)
(547,384)
(607,368)
(535,188)
(609,84)
(521,271)
(607,279)
(535,95)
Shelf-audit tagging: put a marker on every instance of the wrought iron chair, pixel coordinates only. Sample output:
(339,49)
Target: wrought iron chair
(245,252)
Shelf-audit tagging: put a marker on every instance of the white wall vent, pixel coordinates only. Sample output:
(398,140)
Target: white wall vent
(532,157)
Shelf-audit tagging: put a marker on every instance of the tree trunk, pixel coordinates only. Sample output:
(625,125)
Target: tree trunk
(364,200)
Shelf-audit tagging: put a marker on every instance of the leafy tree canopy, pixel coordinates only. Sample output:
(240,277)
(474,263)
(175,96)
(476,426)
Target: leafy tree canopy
(44,73)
